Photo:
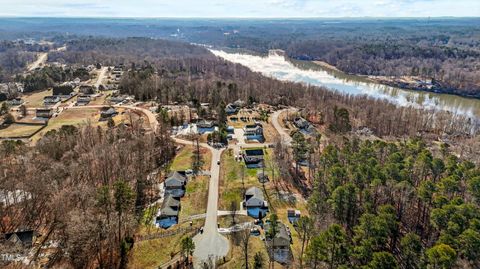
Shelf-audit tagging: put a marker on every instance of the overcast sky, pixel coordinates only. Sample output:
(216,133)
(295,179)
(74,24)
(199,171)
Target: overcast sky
(240,8)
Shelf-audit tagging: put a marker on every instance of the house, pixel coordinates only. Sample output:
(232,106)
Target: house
(280,243)
(83,100)
(254,132)
(300,123)
(304,126)
(44,113)
(15,102)
(168,212)
(253,158)
(51,100)
(293,215)
(255,203)
(116,99)
(24,238)
(230,109)
(205,126)
(174,184)
(106,114)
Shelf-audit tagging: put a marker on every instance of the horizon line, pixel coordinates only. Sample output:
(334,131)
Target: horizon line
(233,17)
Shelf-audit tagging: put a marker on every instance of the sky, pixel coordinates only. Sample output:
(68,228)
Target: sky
(240,8)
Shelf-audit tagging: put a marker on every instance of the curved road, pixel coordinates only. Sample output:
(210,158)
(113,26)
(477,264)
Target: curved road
(284,136)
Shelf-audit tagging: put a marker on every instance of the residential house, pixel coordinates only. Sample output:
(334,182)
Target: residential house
(44,113)
(254,132)
(168,212)
(117,99)
(174,184)
(230,109)
(304,126)
(83,100)
(293,215)
(255,203)
(205,126)
(24,238)
(253,158)
(51,100)
(300,123)
(280,243)
(109,113)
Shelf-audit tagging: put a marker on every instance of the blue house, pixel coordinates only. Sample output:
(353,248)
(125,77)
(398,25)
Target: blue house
(168,212)
(255,203)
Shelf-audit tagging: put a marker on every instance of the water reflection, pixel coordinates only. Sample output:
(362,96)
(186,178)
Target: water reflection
(276,66)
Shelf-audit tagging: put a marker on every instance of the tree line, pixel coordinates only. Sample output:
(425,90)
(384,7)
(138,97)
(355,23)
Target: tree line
(87,189)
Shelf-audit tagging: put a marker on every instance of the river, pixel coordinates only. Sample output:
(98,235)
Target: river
(278,67)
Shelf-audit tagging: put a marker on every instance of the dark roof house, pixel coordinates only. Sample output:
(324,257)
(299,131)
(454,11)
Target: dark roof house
(175,180)
(24,238)
(108,113)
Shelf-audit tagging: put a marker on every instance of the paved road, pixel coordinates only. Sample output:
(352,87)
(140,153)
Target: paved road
(276,124)
(211,243)
(101,77)
(41,59)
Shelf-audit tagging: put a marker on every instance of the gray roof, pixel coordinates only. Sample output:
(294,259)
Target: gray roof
(175,179)
(282,238)
(254,197)
(170,206)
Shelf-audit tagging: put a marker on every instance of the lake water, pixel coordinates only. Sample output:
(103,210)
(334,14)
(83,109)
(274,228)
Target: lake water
(278,67)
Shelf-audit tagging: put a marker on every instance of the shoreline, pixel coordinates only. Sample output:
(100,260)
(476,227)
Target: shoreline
(402,82)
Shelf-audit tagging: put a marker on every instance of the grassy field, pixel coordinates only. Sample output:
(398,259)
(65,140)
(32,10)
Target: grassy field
(72,117)
(195,200)
(183,160)
(36,99)
(15,130)
(277,194)
(231,185)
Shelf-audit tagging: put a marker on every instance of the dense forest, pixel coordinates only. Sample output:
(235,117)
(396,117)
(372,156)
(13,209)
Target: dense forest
(14,57)
(196,76)
(83,189)
(443,49)
(391,205)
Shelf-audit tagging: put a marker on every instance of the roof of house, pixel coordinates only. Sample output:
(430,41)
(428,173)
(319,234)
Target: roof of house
(175,179)
(25,237)
(170,206)
(282,237)
(254,197)
(109,111)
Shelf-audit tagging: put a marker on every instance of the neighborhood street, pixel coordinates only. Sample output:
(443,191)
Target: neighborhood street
(209,244)
(276,124)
